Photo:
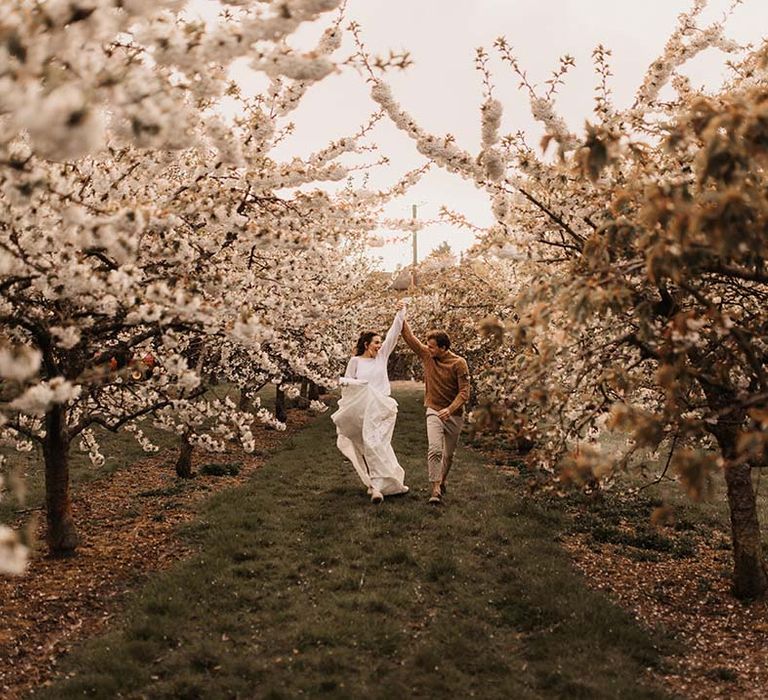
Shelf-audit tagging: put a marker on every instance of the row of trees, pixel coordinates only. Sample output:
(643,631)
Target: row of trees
(637,285)
(149,246)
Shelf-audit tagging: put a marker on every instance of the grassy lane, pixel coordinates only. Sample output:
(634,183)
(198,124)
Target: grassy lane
(302,588)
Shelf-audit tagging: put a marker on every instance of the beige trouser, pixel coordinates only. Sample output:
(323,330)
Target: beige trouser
(442,437)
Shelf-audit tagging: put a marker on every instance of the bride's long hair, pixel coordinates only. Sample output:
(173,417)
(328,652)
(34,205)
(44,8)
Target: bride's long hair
(364,340)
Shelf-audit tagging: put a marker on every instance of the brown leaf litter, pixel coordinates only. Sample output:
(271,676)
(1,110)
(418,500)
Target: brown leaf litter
(723,642)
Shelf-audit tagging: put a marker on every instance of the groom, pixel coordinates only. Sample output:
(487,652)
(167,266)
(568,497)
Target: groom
(446,390)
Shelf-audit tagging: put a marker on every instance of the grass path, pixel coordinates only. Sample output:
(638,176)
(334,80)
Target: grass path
(301,588)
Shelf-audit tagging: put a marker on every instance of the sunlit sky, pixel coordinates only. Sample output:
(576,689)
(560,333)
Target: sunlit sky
(443,91)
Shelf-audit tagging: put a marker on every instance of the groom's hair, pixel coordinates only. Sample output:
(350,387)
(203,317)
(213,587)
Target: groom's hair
(441,338)
(362,342)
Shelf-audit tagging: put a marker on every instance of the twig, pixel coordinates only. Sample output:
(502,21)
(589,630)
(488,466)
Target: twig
(666,466)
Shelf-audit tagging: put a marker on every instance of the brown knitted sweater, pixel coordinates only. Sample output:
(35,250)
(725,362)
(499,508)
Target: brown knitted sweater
(446,380)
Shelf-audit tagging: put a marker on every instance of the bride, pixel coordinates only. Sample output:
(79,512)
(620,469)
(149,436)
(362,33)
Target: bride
(366,416)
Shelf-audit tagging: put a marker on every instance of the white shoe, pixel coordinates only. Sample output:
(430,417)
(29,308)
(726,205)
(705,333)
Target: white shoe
(376,496)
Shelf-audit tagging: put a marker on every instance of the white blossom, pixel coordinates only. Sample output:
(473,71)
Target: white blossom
(19,362)
(66,338)
(38,398)
(13,554)
(64,124)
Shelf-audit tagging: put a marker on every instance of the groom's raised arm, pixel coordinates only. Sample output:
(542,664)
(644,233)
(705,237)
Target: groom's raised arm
(413,342)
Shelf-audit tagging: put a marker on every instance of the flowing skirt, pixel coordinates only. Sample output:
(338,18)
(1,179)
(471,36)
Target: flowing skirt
(365,422)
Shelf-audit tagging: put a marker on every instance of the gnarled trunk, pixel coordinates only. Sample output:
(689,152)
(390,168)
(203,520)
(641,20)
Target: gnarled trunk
(61,532)
(750,579)
(184,461)
(749,574)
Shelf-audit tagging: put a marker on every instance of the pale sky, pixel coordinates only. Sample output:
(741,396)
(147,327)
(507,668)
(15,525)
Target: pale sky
(442,90)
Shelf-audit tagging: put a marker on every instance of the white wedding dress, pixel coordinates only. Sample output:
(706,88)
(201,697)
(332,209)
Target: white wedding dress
(366,418)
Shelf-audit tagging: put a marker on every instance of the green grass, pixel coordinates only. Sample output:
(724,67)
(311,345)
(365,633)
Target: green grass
(302,588)
(216,469)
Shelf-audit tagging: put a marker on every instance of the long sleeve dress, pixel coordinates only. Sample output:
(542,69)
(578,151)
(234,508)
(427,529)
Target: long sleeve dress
(366,418)
(374,369)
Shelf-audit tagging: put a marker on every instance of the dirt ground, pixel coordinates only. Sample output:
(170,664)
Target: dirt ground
(128,523)
(722,642)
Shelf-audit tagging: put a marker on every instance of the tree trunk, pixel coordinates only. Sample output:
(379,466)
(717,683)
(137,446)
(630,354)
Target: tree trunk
(749,574)
(61,533)
(184,462)
(304,388)
(314,393)
(244,402)
(280,412)
(750,579)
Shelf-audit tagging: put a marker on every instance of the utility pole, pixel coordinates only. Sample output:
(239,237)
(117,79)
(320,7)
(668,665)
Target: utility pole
(415,249)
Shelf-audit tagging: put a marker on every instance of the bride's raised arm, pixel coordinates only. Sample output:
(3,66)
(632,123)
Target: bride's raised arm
(392,335)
